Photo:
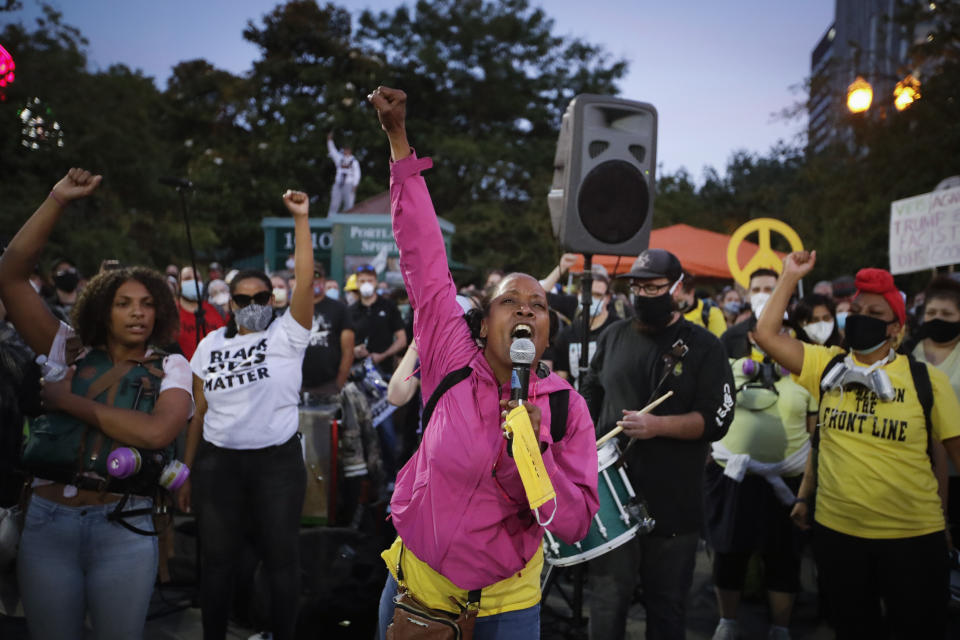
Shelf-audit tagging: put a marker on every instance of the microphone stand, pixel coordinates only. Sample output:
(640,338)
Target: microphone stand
(200,329)
(586,298)
(575,602)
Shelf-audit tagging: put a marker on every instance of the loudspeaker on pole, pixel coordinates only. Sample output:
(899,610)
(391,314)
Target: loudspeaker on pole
(601,198)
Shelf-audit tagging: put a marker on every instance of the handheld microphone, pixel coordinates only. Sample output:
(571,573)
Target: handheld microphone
(522,353)
(179,183)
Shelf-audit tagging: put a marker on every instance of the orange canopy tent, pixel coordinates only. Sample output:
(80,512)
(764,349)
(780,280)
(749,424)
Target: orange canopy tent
(702,253)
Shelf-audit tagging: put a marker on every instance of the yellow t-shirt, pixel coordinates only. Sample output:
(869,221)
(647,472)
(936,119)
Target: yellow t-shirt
(875,479)
(519,591)
(715,320)
(769,426)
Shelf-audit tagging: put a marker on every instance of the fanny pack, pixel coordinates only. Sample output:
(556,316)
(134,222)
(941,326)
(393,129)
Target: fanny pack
(413,620)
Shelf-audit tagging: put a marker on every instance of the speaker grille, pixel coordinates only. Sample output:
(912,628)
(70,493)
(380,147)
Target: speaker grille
(597,147)
(639,152)
(613,201)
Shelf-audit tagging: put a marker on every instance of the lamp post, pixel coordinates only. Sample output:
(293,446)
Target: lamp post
(906,92)
(859,95)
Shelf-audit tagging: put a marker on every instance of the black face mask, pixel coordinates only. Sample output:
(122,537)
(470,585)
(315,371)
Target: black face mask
(66,281)
(654,313)
(940,330)
(864,333)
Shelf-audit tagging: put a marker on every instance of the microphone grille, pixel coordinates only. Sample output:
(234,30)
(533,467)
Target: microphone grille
(522,351)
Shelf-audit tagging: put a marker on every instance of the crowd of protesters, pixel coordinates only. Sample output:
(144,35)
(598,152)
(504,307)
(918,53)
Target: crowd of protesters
(828,419)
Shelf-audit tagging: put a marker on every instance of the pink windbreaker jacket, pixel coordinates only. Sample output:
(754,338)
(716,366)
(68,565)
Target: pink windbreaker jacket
(447,506)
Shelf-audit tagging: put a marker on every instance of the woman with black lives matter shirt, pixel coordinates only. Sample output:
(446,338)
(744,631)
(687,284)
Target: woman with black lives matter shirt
(247,469)
(878,534)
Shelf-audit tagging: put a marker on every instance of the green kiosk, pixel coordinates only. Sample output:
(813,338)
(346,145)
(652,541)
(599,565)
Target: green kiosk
(343,242)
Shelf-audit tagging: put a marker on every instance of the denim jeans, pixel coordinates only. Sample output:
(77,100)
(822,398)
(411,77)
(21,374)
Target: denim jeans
(255,492)
(73,561)
(664,565)
(513,625)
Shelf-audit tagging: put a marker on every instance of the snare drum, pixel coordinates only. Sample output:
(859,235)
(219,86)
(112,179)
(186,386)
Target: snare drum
(620,516)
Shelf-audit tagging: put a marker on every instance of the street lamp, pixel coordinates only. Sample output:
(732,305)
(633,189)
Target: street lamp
(906,92)
(859,95)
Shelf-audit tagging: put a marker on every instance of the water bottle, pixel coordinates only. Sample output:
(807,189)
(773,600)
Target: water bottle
(51,370)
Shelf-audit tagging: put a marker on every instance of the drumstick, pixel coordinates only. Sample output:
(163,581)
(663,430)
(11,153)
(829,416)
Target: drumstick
(647,409)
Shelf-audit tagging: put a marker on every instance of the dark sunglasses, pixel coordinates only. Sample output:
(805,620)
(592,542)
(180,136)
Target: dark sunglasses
(262,298)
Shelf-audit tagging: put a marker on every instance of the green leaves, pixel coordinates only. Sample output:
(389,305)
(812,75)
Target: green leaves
(488,81)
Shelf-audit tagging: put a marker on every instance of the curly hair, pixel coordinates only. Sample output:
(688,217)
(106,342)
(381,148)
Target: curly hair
(91,313)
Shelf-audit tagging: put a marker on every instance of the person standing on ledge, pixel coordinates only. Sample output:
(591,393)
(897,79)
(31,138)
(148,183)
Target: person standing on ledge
(344,190)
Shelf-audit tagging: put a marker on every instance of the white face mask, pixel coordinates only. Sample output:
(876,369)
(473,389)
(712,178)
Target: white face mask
(280,296)
(819,331)
(366,289)
(596,307)
(758,301)
(291,263)
(220,299)
(333,294)
(351,297)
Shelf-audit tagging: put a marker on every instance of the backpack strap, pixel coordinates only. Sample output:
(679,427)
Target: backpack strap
(559,406)
(815,438)
(109,380)
(453,378)
(924,389)
(559,402)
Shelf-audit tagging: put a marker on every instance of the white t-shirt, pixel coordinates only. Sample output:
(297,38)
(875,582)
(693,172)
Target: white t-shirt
(252,384)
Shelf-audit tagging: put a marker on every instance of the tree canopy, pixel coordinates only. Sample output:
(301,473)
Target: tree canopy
(488,81)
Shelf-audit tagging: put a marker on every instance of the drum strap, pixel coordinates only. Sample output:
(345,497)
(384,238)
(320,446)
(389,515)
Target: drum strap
(678,351)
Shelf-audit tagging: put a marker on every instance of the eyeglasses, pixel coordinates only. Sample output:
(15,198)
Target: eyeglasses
(366,268)
(262,298)
(648,289)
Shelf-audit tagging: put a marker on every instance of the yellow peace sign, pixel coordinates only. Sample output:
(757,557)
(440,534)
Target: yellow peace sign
(765,257)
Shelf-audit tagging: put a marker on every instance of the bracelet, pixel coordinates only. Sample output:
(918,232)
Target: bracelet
(56,199)
(797,501)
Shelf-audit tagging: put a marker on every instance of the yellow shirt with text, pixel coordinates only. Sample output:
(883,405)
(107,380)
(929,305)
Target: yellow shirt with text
(875,478)
(519,591)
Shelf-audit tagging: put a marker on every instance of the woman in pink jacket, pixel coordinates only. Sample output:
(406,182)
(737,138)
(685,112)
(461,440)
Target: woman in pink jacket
(459,506)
